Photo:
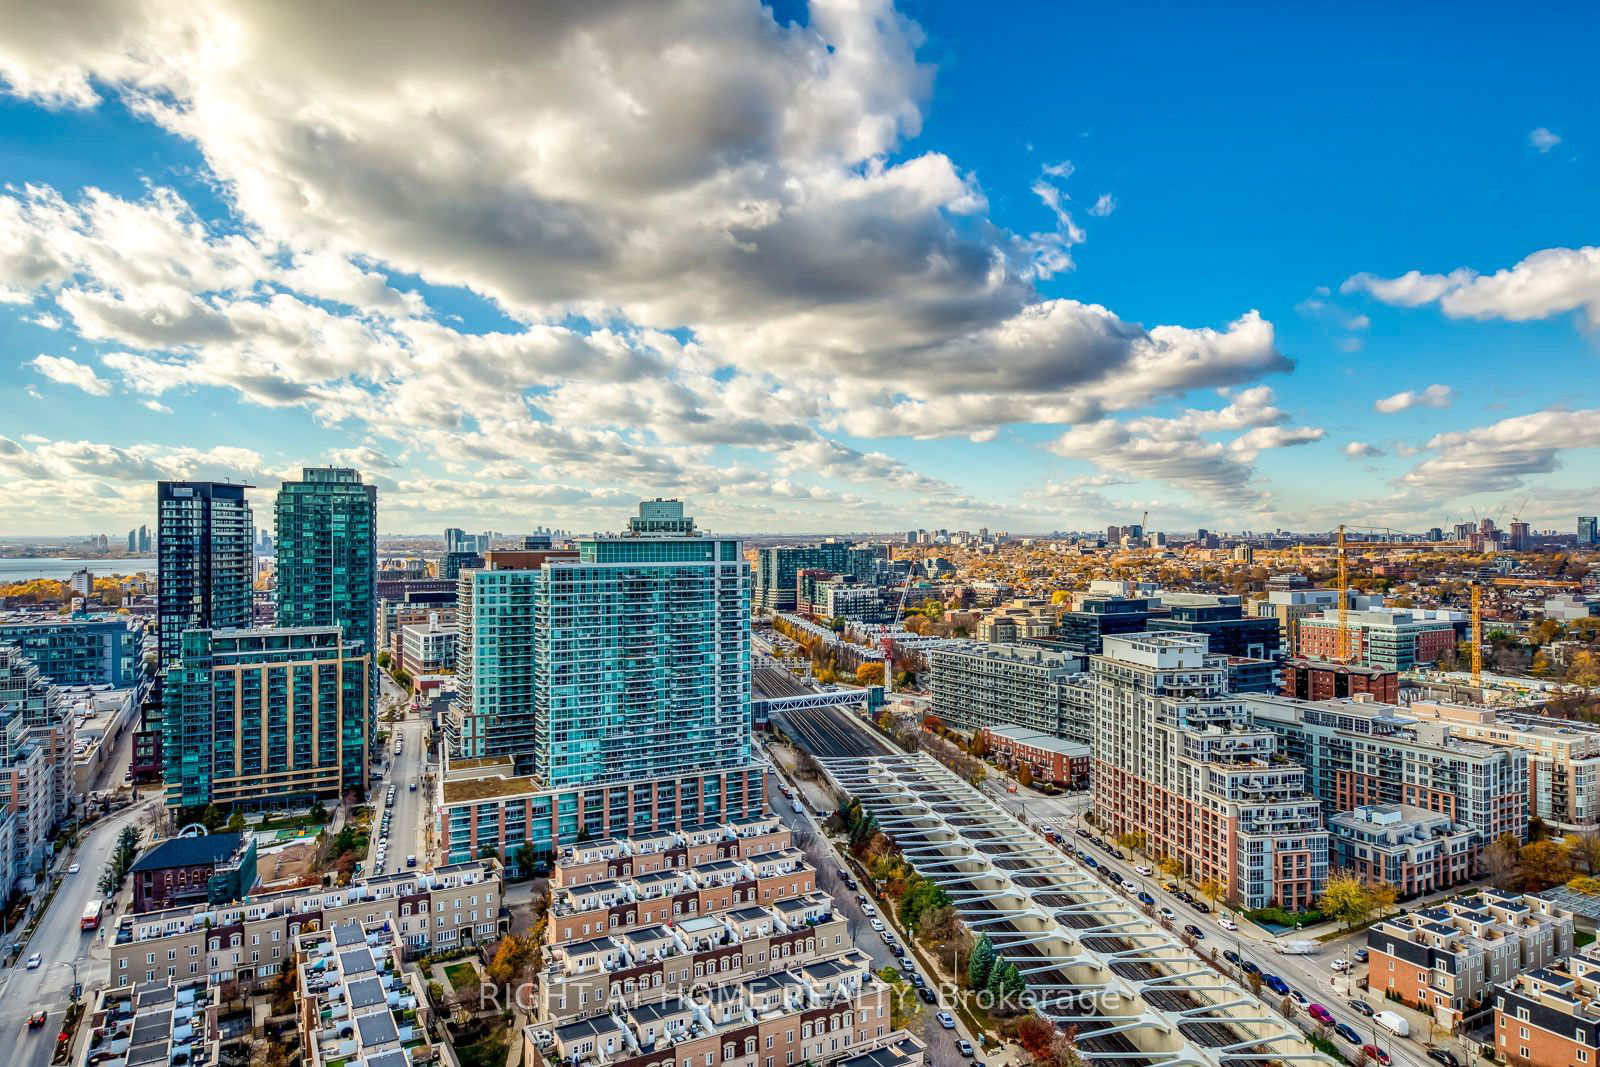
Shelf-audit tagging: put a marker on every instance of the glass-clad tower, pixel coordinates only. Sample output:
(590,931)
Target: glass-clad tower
(205,559)
(327,526)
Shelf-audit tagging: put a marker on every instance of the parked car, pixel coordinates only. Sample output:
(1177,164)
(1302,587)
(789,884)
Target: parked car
(889,938)
(1090,860)
(867,908)
(928,995)
(1232,957)
(1274,983)
(1146,899)
(1201,906)
(1340,964)
(849,883)
(1348,1032)
(946,1020)
(1298,997)
(965,1047)
(1376,1054)
(1361,1007)
(1439,1055)
(917,980)
(1146,871)
(1360,955)
(877,924)
(1227,923)
(1248,967)
(1194,931)
(1086,835)
(1319,1013)
(1168,914)
(411,861)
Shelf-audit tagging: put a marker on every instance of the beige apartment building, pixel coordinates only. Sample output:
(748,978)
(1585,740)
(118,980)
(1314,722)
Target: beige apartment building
(624,857)
(251,940)
(1563,756)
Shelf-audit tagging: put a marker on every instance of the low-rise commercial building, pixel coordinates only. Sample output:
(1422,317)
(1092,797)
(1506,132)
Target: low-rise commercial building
(977,685)
(1447,959)
(250,940)
(1222,619)
(1413,849)
(428,647)
(1048,757)
(1094,617)
(185,871)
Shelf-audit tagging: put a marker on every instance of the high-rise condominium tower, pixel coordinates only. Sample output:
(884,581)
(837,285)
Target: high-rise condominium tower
(205,534)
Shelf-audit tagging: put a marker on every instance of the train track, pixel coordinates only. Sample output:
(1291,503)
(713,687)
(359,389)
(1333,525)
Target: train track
(822,732)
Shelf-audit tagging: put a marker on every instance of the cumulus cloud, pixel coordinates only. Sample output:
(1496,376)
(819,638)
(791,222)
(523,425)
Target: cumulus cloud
(1549,282)
(71,372)
(1104,206)
(1543,139)
(1501,455)
(1434,396)
(1361,450)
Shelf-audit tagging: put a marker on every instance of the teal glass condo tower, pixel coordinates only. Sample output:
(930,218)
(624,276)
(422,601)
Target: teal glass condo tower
(265,717)
(205,559)
(327,550)
(604,691)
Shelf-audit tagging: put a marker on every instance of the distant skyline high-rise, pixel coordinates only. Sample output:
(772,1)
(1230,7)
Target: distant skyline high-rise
(327,553)
(205,535)
(1588,530)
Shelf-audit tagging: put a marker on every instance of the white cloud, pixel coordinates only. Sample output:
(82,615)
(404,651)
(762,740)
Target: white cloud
(1548,282)
(71,372)
(1434,396)
(1361,450)
(1543,139)
(156,406)
(1500,456)
(1104,206)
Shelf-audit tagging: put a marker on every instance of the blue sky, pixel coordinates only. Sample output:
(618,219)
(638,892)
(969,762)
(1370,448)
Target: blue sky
(846,267)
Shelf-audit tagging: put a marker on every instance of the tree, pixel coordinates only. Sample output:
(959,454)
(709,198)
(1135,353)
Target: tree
(1036,1035)
(1171,866)
(870,673)
(212,818)
(1024,773)
(981,963)
(1540,666)
(980,744)
(383,659)
(1584,670)
(979,773)
(1254,979)
(1211,889)
(1586,884)
(236,823)
(524,857)
(1543,864)
(1500,858)
(1346,898)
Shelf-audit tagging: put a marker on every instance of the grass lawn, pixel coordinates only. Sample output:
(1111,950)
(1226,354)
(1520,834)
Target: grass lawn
(488,1051)
(1580,939)
(462,975)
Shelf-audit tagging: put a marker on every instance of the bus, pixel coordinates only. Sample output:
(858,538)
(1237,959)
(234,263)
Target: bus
(91,915)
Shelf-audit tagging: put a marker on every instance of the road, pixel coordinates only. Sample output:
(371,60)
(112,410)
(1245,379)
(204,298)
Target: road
(409,811)
(62,944)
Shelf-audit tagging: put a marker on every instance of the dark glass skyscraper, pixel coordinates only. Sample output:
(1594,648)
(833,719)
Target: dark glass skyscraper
(327,551)
(206,541)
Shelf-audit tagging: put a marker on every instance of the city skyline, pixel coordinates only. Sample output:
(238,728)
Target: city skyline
(883,268)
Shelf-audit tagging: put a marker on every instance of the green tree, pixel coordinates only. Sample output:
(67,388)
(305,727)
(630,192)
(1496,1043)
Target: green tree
(525,861)
(212,818)
(981,963)
(236,822)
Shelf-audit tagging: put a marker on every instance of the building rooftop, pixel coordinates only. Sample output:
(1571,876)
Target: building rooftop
(189,851)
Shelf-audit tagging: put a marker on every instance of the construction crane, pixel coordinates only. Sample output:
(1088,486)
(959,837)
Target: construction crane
(1477,635)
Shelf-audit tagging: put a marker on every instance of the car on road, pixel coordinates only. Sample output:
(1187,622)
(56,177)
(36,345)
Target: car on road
(1444,1056)
(411,861)
(1360,955)
(1298,997)
(965,1048)
(1319,1013)
(1340,964)
(74,869)
(1090,860)
(1232,957)
(1194,931)
(1201,906)
(1168,914)
(1249,967)
(34,961)
(413,787)
(928,995)
(849,883)
(1227,923)
(1086,835)
(1274,983)
(867,908)
(1146,871)
(889,938)
(1348,1032)
(1361,1007)
(1376,1054)
(36,1020)
(946,1020)
(1146,899)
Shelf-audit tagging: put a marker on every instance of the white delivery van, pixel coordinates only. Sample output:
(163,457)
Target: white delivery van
(1392,1023)
(1297,948)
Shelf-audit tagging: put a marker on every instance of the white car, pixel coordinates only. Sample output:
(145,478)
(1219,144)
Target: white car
(1144,871)
(1227,923)
(34,961)
(868,909)
(74,869)
(877,924)
(1340,965)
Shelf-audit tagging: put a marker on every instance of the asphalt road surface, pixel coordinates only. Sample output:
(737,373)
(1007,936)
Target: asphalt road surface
(61,943)
(408,813)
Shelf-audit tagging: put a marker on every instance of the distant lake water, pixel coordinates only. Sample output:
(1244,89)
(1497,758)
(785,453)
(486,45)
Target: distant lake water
(24,568)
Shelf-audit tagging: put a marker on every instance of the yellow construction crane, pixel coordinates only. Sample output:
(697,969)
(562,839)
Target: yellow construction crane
(1477,635)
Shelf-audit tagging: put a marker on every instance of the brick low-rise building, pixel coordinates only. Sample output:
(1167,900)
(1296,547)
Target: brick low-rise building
(1447,959)
(1048,758)
(1413,849)
(1550,1016)
(212,869)
(1313,679)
